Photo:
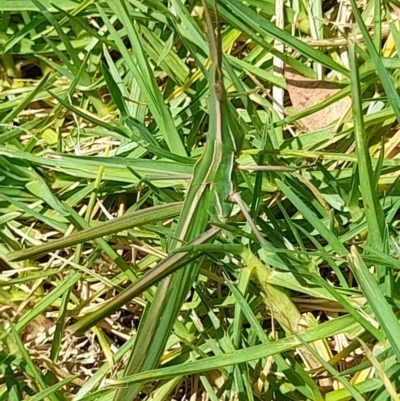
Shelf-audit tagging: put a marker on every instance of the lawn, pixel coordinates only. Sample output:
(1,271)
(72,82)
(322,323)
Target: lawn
(199,200)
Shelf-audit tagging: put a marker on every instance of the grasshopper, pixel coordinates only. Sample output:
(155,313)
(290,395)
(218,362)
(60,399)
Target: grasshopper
(210,193)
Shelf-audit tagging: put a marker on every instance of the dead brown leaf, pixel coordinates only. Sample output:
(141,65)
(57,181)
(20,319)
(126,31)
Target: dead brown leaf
(305,93)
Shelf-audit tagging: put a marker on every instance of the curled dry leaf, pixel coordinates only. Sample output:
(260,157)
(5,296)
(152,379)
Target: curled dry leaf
(305,93)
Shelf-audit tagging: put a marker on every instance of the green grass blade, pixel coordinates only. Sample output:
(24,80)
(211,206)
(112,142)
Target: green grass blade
(387,83)
(265,27)
(313,219)
(144,77)
(130,220)
(336,326)
(373,210)
(51,390)
(164,268)
(383,312)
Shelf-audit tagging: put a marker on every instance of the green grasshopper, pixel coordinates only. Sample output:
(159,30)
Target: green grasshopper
(211,193)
